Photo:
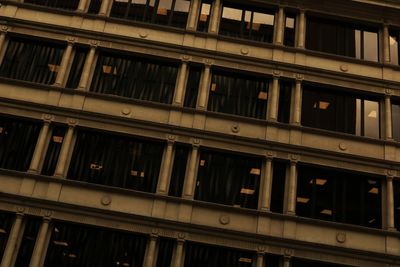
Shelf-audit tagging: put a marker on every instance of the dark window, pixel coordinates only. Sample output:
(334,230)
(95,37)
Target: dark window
(285,97)
(342,112)
(17,143)
(116,160)
(133,77)
(77,66)
(204,16)
(339,196)
(6,222)
(178,171)
(342,38)
(278,186)
(165,12)
(25,251)
(94,7)
(165,250)
(75,245)
(228,179)
(396,193)
(192,87)
(199,255)
(272,260)
(309,263)
(31,60)
(394,47)
(63,4)
(396,121)
(238,94)
(249,23)
(53,150)
(290,32)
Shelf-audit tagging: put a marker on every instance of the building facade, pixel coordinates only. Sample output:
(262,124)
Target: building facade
(199,133)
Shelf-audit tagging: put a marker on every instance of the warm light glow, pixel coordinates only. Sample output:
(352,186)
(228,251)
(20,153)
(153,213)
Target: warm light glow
(94,166)
(319,181)
(372,114)
(302,200)
(213,87)
(255,171)
(247,191)
(247,260)
(1,130)
(321,105)
(263,95)
(2,231)
(73,256)
(53,67)
(326,212)
(57,139)
(109,69)
(374,190)
(162,11)
(203,17)
(202,162)
(60,243)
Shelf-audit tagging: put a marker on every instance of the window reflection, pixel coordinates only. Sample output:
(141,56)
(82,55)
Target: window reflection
(394,47)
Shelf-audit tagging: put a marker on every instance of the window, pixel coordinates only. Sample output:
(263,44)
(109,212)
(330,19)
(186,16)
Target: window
(62,4)
(228,179)
(285,98)
(396,120)
(77,66)
(394,46)
(342,38)
(339,111)
(200,255)
(134,77)
(290,32)
(31,60)
(178,170)
(17,143)
(25,251)
(192,87)
(278,186)
(87,246)
(396,194)
(6,222)
(116,160)
(53,150)
(308,263)
(339,196)
(165,12)
(94,7)
(272,260)
(238,94)
(165,250)
(204,16)
(242,22)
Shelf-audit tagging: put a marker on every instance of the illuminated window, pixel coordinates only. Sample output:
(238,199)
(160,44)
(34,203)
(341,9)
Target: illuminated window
(394,46)
(204,16)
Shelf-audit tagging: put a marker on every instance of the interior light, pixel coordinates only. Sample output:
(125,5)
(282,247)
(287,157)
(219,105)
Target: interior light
(56,230)
(374,190)
(255,171)
(60,243)
(372,220)
(142,174)
(72,256)
(290,23)
(372,114)
(53,67)
(326,212)
(202,162)
(247,260)
(125,264)
(94,166)
(371,182)
(263,95)
(1,129)
(203,17)
(134,173)
(162,11)
(247,191)
(393,41)
(213,87)
(302,200)
(319,181)
(236,205)
(109,69)
(2,231)
(57,139)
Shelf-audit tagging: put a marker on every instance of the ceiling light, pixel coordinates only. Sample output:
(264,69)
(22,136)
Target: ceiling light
(263,95)
(372,114)
(319,181)
(247,260)
(57,139)
(326,212)
(374,190)
(255,171)
(202,162)
(247,191)
(60,243)
(302,200)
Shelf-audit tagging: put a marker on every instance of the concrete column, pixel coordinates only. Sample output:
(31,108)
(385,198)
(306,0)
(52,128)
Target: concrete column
(274,99)
(215,16)
(82,6)
(301,30)
(260,259)
(39,149)
(180,84)
(194,11)
(12,243)
(297,101)
(105,4)
(204,89)
(2,41)
(151,252)
(177,262)
(64,152)
(40,243)
(286,261)
(64,63)
(292,189)
(189,185)
(163,182)
(265,194)
(386,43)
(390,203)
(280,27)
(85,76)
(388,118)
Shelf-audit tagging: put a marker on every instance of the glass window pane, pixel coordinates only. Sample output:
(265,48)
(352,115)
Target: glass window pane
(371,46)
(396,121)
(394,49)
(371,119)
(204,17)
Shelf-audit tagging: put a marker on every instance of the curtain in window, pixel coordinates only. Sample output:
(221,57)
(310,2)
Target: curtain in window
(199,255)
(74,245)
(165,250)
(236,94)
(53,150)
(31,60)
(63,4)
(178,171)
(28,241)
(17,143)
(77,66)
(228,179)
(118,161)
(6,222)
(192,87)
(133,77)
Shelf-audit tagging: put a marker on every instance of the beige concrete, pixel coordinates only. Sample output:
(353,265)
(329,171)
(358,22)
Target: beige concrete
(178,259)
(301,31)
(388,118)
(84,81)
(66,148)
(204,87)
(40,243)
(61,77)
(180,84)
(190,181)
(390,203)
(163,183)
(292,189)
(151,256)
(266,185)
(12,242)
(40,148)
(280,27)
